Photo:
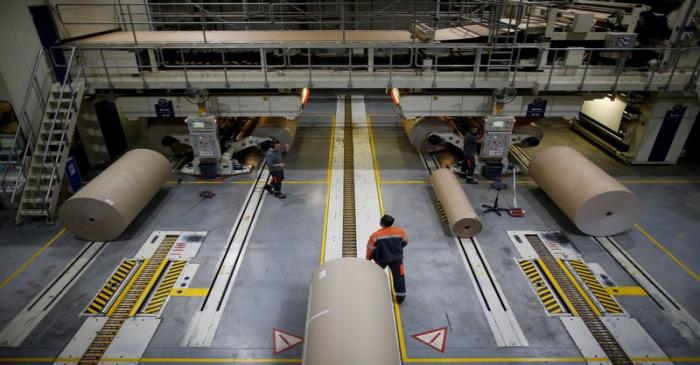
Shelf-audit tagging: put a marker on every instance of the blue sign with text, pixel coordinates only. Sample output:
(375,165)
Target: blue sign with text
(537,108)
(164,109)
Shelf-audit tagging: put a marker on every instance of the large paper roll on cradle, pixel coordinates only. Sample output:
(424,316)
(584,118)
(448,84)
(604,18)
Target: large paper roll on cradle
(350,320)
(418,130)
(105,207)
(281,129)
(460,214)
(595,202)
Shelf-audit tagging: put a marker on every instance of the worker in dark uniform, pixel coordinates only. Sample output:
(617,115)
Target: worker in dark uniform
(385,247)
(471,141)
(273,158)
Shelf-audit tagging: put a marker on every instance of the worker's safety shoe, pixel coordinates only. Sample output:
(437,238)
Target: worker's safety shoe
(280,195)
(472,181)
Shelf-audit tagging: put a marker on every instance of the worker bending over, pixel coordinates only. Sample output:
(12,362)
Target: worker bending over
(273,158)
(472,139)
(385,247)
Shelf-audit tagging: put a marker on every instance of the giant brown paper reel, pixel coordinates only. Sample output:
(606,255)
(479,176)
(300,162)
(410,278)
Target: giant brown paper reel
(277,128)
(350,318)
(419,129)
(595,202)
(460,214)
(105,207)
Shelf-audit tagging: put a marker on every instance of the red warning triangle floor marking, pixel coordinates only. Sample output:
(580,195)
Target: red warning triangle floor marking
(283,341)
(437,338)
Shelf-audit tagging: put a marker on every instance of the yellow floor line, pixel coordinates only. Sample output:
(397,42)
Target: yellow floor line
(578,287)
(377,177)
(242,182)
(329,170)
(147,289)
(398,182)
(661,181)
(309,182)
(532,182)
(127,288)
(667,252)
(172,360)
(397,310)
(31,259)
(626,290)
(189,292)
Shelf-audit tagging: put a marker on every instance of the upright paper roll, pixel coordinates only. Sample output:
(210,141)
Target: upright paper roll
(350,320)
(418,130)
(281,129)
(595,202)
(102,209)
(460,214)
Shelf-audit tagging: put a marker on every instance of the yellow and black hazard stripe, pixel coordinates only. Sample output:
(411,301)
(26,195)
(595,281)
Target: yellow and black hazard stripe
(543,291)
(110,288)
(441,211)
(608,303)
(161,294)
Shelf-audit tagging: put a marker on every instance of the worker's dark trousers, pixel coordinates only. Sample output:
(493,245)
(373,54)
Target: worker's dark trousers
(397,274)
(277,177)
(468,167)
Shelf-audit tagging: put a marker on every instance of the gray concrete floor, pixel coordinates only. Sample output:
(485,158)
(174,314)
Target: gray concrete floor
(272,285)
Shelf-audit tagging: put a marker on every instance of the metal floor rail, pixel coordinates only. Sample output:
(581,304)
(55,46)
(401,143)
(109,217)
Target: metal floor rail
(349,229)
(602,335)
(130,302)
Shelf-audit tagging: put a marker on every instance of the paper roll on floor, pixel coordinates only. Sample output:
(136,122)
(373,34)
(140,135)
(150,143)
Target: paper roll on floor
(105,207)
(350,320)
(281,129)
(595,202)
(418,130)
(461,216)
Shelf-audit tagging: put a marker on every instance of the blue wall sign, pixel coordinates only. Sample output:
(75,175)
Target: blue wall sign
(537,108)
(75,181)
(164,109)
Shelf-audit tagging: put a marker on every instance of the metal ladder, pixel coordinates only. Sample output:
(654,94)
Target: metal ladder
(48,117)
(502,37)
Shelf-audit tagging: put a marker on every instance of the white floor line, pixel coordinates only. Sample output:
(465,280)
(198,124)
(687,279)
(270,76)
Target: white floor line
(367,211)
(584,340)
(504,326)
(635,340)
(206,321)
(687,325)
(81,340)
(34,312)
(131,341)
(334,224)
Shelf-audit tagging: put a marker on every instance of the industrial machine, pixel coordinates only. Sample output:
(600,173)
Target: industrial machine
(204,139)
(638,128)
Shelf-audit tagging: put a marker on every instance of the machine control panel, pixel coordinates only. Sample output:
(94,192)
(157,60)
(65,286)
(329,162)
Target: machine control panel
(204,137)
(498,132)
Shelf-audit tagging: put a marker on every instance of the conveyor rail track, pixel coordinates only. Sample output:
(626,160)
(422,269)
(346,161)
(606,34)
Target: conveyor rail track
(349,244)
(605,339)
(108,332)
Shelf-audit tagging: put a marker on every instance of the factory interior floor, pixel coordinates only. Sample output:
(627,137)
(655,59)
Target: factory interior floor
(271,287)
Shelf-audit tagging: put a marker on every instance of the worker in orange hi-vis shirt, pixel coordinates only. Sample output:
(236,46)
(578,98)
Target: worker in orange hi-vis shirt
(385,247)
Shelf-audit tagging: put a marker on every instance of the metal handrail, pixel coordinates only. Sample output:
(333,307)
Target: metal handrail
(67,81)
(27,125)
(546,60)
(20,124)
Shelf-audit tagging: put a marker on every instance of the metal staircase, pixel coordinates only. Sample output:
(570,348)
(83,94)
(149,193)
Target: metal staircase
(47,124)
